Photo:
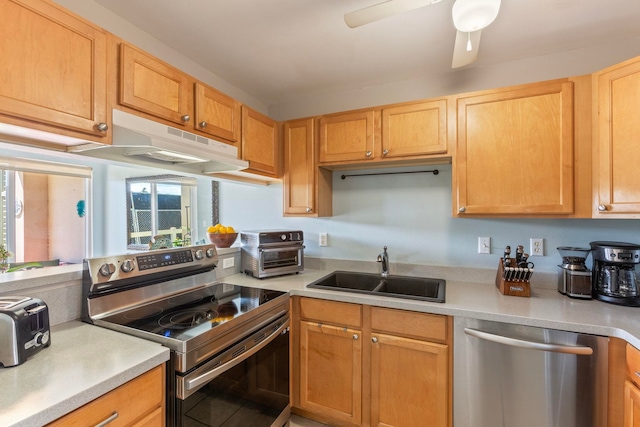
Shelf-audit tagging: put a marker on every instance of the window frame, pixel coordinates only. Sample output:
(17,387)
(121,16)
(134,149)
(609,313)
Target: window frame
(154,180)
(15,165)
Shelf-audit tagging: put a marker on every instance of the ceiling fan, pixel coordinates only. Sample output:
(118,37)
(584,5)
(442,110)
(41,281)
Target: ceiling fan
(469,18)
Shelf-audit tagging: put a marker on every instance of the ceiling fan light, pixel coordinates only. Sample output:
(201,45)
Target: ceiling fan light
(474,15)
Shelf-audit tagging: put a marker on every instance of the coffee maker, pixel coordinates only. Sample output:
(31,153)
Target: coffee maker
(615,279)
(574,278)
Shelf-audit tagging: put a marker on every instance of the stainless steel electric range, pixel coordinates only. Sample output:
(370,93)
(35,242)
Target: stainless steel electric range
(229,362)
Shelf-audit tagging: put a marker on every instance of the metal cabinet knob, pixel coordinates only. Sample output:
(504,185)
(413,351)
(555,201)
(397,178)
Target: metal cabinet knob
(203,124)
(103,127)
(355,336)
(185,118)
(309,210)
(368,153)
(385,152)
(602,208)
(374,340)
(462,209)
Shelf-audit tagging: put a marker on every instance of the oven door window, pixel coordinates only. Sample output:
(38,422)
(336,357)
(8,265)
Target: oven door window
(253,393)
(281,257)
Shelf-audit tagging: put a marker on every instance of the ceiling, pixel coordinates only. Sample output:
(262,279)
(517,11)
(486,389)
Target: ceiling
(283,50)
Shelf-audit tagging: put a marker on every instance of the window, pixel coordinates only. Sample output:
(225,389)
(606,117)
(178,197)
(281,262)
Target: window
(44,214)
(162,209)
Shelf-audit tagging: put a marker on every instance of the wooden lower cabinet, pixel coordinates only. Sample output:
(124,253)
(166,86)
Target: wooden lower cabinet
(331,360)
(631,397)
(138,403)
(631,405)
(408,382)
(370,366)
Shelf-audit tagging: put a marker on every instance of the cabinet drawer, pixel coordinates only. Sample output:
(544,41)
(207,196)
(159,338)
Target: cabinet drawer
(339,313)
(411,324)
(146,392)
(633,363)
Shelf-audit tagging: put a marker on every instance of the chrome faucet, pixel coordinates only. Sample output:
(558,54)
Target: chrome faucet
(384,259)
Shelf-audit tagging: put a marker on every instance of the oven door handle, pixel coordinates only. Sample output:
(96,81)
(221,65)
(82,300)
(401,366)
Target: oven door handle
(204,378)
(281,248)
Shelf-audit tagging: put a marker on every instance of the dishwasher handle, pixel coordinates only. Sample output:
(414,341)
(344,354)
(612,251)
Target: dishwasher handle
(532,345)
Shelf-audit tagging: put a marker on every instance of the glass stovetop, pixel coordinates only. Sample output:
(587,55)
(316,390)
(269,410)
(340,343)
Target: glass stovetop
(187,315)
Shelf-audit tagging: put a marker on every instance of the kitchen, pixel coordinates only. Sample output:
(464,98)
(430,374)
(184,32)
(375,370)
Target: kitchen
(366,215)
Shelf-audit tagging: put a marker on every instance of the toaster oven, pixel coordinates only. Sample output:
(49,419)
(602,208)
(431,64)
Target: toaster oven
(24,329)
(267,253)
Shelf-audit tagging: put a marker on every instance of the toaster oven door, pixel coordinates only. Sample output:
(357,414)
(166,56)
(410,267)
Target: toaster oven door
(280,260)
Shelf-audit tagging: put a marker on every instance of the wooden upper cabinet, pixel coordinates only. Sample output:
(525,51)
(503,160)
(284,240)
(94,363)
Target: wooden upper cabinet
(260,143)
(54,69)
(217,114)
(414,130)
(617,155)
(514,151)
(348,136)
(153,87)
(299,168)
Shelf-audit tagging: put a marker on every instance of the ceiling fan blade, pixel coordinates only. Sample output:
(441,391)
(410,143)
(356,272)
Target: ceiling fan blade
(462,56)
(383,10)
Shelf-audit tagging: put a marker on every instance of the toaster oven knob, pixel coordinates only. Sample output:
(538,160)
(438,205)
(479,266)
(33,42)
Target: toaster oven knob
(127,266)
(107,270)
(210,253)
(199,254)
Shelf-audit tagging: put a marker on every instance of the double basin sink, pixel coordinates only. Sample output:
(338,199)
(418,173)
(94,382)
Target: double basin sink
(417,288)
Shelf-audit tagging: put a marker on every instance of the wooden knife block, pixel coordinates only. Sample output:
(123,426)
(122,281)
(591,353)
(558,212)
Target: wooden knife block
(509,287)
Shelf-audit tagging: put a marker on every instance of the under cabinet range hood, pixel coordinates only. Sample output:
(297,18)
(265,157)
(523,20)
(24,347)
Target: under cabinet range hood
(140,141)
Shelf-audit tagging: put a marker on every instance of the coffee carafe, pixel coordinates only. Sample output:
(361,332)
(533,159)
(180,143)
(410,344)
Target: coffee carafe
(615,279)
(574,278)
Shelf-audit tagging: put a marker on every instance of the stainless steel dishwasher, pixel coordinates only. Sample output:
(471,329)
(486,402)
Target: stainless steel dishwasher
(509,375)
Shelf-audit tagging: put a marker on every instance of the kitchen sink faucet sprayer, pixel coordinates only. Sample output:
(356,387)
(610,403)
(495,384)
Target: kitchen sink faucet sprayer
(384,259)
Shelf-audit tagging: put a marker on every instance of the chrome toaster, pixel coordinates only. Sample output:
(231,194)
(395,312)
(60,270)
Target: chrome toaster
(24,329)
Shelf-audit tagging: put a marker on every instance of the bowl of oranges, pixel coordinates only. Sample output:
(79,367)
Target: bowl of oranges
(222,236)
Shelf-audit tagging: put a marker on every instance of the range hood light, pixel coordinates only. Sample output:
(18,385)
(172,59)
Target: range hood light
(166,156)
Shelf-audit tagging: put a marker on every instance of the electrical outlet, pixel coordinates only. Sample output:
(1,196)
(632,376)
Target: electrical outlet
(484,245)
(322,239)
(228,262)
(536,247)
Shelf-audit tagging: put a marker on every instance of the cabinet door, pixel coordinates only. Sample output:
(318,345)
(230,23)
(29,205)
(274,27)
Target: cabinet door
(299,180)
(631,405)
(409,382)
(217,114)
(515,151)
(147,391)
(618,134)
(260,142)
(331,371)
(54,67)
(348,136)
(414,130)
(153,87)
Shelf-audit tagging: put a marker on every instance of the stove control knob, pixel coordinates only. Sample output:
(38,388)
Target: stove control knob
(199,254)
(283,237)
(127,266)
(210,253)
(107,270)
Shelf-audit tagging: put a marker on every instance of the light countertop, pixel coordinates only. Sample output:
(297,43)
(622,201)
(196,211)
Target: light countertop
(83,363)
(546,308)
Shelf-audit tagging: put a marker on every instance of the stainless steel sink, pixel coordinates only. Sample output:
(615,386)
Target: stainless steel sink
(419,288)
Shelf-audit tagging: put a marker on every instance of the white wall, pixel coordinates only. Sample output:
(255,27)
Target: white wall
(411,214)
